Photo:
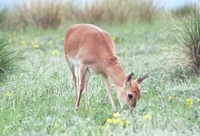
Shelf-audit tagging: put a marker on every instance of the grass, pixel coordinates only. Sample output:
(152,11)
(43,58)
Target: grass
(38,14)
(8,57)
(39,100)
(51,14)
(3,18)
(187,34)
(182,11)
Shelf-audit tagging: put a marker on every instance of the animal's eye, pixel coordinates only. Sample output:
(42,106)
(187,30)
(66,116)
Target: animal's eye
(130,96)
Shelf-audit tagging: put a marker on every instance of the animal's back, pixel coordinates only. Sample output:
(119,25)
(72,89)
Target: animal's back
(89,44)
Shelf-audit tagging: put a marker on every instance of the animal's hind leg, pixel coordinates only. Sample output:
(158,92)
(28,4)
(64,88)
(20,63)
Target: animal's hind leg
(72,69)
(86,89)
(83,72)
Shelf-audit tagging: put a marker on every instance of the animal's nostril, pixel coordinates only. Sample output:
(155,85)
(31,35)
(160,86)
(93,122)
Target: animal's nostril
(130,96)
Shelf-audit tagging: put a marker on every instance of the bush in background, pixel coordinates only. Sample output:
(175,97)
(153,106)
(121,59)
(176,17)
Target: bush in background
(51,14)
(39,13)
(8,57)
(147,10)
(116,11)
(183,11)
(187,33)
(3,16)
(110,11)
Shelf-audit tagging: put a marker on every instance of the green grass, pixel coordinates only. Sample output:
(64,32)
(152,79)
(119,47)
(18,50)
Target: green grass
(183,11)
(3,17)
(8,56)
(39,100)
(187,34)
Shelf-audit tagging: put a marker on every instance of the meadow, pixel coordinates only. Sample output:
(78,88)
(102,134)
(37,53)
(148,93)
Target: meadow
(39,97)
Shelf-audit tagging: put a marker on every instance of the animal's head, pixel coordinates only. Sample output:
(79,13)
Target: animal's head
(130,93)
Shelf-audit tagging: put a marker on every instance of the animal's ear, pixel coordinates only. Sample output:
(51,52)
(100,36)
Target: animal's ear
(141,79)
(128,80)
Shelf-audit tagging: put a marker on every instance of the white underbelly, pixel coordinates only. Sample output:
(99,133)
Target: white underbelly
(74,61)
(92,68)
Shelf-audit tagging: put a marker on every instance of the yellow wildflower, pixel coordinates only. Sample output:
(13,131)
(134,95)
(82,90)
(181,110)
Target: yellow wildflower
(116,115)
(148,116)
(10,94)
(36,38)
(128,122)
(113,38)
(171,98)
(10,40)
(165,49)
(189,102)
(54,52)
(126,31)
(115,120)
(22,42)
(50,42)
(62,38)
(121,123)
(198,99)
(21,37)
(109,121)
(36,46)
(56,125)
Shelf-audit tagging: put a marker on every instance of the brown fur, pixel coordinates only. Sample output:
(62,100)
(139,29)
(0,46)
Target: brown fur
(92,50)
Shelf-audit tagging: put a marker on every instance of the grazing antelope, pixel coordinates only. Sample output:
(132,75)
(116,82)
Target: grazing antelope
(92,50)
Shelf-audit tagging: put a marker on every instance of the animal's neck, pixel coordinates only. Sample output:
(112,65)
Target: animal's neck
(117,75)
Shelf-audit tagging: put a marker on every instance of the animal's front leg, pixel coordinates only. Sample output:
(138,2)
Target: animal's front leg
(110,93)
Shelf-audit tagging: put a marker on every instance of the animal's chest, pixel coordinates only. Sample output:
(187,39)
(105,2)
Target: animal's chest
(95,68)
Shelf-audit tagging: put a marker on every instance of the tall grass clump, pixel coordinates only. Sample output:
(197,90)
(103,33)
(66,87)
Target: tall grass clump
(39,13)
(51,14)
(8,57)
(182,11)
(110,11)
(118,11)
(187,34)
(147,10)
(3,16)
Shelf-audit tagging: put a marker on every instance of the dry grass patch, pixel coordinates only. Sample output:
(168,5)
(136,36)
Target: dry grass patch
(39,13)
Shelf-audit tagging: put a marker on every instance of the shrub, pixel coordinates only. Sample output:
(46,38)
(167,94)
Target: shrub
(187,33)
(51,14)
(3,16)
(147,10)
(40,14)
(182,11)
(112,11)
(8,57)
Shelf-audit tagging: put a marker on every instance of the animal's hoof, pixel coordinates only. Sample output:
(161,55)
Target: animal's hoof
(77,108)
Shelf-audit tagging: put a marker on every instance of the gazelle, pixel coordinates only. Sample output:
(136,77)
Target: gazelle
(92,50)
